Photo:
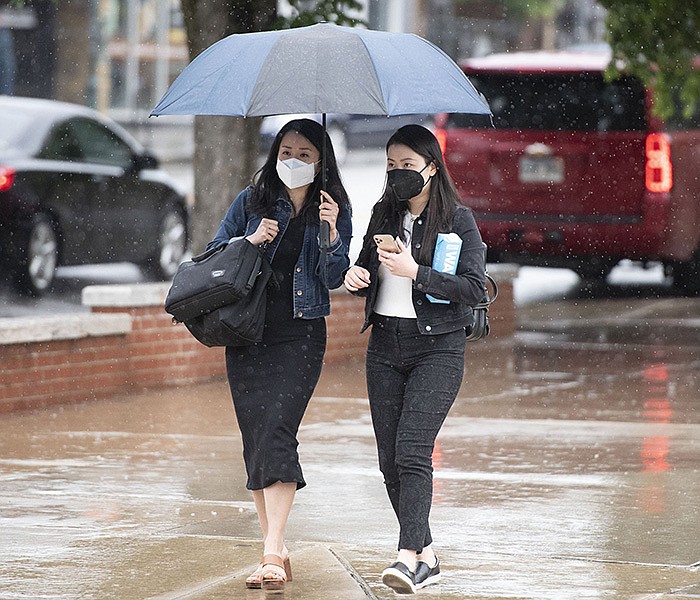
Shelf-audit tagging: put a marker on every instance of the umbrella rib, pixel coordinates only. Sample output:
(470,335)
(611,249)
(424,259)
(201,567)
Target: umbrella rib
(378,82)
(222,72)
(368,87)
(219,75)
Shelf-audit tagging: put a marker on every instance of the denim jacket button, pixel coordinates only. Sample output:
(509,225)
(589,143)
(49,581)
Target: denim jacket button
(420,221)
(419,302)
(299,292)
(418,245)
(298,269)
(428,328)
(300,314)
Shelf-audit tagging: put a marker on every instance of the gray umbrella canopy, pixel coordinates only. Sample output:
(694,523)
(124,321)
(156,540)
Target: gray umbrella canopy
(322,68)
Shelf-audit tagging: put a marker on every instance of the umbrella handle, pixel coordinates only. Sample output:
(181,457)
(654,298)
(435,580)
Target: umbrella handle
(324,235)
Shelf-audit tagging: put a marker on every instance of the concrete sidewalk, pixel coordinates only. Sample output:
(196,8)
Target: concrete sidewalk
(566,469)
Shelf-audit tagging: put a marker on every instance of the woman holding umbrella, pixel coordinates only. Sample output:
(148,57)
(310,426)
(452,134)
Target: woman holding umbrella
(415,355)
(271,382)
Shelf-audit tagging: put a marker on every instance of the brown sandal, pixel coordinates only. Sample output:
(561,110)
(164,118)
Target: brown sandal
(276,572)
(254,580)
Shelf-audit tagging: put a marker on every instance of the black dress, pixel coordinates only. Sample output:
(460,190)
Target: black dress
(271,382)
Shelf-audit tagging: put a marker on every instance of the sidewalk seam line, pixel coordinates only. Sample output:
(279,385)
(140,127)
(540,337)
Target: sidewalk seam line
(354,574)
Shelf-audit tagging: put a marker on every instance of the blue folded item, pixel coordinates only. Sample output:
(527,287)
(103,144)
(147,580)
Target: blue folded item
(447,249)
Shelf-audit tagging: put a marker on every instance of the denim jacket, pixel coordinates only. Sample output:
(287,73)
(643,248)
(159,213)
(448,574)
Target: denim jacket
(311,286)
(463,289)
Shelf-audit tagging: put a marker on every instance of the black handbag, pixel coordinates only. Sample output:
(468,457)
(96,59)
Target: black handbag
(217,277)
(240,323)
(220,295)
(480,328)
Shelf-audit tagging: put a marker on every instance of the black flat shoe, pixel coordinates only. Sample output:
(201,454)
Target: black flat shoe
(399,578)
(426,575)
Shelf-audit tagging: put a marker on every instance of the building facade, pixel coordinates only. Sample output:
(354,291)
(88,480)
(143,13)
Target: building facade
(120,55)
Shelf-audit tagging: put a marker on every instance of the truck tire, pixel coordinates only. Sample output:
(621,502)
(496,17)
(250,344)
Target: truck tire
(595,269)
(686,276)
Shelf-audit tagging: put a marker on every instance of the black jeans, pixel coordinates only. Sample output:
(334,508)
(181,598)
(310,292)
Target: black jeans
(412,381)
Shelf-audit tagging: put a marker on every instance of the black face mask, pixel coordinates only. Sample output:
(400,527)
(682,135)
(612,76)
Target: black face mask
(406,183)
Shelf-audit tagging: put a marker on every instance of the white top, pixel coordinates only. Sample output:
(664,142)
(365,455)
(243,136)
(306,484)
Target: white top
(394,296)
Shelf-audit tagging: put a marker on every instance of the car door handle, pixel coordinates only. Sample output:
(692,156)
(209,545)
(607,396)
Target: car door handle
(100,180)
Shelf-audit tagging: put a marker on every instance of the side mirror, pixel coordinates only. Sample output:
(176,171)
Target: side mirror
(145,161)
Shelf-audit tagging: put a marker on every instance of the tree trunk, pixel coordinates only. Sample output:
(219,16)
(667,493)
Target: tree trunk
(549,32)
(226,148)
(73,64)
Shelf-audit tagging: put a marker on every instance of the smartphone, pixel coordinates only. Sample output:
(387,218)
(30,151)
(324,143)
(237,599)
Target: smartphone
(386,242)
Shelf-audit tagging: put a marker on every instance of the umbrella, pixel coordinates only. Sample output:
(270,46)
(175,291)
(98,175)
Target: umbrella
(321,68)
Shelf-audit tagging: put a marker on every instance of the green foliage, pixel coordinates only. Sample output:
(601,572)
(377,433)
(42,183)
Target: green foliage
(526,9)
(18,3)
(534,8)
(332,11)
(657,40)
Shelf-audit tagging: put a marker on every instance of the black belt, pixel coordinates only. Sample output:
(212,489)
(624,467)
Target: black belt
(392,322)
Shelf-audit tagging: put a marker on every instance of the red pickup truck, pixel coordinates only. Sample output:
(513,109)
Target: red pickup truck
(575,171)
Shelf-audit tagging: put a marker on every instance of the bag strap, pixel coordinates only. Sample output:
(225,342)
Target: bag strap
(492,299)
(209,253)
(488,300)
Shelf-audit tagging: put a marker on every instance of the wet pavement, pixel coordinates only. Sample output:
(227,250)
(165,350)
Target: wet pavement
(568,468)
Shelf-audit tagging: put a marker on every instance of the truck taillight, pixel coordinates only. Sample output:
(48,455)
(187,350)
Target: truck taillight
(7,177)
(658,175)
(441,136)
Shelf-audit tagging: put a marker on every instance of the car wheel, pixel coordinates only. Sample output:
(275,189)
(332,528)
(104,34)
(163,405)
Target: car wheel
(596,269)
(172,246)
(686,276)
(38,258)
(340,143)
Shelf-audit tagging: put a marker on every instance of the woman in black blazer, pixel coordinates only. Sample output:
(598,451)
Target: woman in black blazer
(415,355)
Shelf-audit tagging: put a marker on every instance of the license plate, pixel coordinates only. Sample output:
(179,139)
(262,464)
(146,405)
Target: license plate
(541,169)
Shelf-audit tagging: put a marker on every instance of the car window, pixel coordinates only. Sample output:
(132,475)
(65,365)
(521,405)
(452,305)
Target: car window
(99,145)
(61,145)
(559,102)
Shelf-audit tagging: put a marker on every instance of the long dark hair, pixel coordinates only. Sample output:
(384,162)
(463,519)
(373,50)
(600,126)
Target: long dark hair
(388,213)
(267,186)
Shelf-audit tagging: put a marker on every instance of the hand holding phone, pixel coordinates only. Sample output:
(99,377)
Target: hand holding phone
(386,242)
(395,256)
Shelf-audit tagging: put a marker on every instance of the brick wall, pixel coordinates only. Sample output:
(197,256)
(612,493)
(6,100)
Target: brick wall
(127,343)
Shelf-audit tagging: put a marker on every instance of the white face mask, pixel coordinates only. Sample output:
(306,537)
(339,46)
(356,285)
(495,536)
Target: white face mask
(295,173)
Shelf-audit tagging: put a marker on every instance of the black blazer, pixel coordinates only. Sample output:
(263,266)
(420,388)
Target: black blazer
(464,289)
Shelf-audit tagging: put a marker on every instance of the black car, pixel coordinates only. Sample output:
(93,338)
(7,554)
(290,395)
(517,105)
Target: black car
(75,188)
